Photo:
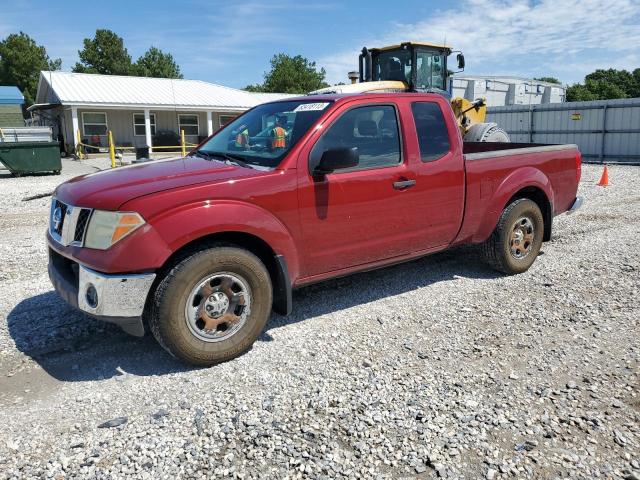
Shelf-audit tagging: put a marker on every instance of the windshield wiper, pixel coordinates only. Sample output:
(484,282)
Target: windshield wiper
(199,153)
(235,159)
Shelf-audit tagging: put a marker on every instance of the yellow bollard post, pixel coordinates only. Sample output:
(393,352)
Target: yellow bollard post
(78,146)
(112,150)
(182,144)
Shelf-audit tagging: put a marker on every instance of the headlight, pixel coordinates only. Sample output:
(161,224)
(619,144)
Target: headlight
(107,228)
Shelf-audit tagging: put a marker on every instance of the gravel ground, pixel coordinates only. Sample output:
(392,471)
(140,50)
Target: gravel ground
(435,368)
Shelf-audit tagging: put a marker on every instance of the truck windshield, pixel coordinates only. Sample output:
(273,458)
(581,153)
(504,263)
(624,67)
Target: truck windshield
(263,136)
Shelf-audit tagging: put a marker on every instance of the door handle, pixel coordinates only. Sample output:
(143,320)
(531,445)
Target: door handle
(403,184)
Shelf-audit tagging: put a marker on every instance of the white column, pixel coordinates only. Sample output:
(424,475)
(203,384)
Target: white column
(209,123)
(76,125)
(147,128)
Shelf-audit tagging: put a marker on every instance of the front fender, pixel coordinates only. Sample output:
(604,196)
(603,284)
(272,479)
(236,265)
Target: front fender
(188,223)
(517,180)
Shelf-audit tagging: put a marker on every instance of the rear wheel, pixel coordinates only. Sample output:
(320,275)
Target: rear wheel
(515,243)
(211,306)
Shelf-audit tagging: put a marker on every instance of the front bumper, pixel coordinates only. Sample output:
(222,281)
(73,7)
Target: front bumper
(118,299)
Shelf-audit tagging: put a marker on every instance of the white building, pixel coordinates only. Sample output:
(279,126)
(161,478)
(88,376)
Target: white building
(504,90)
(135,109)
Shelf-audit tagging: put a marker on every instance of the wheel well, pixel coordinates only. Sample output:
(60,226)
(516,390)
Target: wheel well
(253,244)
(540,198)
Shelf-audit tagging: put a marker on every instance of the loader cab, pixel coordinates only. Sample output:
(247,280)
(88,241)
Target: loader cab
(422,66)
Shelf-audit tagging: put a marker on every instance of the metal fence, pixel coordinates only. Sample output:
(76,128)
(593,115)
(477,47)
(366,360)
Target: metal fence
(606,131)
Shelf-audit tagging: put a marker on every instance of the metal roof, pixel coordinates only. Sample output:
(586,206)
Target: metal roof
(83,89)
(11,95)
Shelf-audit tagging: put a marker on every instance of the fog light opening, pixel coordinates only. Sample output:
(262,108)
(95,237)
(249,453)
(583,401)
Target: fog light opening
(91,296)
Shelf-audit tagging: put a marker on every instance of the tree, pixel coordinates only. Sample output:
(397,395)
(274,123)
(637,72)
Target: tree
(21,60)
(105,54)
(579,93)
(548,80)
(156,63)
(291,75)
(635,93)
(255,88)
(606,84)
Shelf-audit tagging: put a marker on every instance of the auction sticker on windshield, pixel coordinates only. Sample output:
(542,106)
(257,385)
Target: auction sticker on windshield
(309,107)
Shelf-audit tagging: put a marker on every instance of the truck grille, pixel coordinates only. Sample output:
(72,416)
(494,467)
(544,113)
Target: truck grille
(58,225)
(81,224)
(68,224)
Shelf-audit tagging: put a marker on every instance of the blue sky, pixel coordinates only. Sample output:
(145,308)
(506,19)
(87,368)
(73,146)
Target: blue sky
(231,42)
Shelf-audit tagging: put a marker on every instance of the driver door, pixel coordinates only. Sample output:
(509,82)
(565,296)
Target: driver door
(362,214)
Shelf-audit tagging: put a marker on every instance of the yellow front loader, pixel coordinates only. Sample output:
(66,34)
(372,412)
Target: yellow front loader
(422,67)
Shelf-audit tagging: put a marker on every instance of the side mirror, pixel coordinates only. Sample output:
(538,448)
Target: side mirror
(336,159)
(460,58)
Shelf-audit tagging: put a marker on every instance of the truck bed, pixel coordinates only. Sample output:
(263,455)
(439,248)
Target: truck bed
(470,148)
(490,167)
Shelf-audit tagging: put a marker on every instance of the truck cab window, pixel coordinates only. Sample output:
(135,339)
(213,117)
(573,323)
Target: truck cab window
(373,130)
(433,136)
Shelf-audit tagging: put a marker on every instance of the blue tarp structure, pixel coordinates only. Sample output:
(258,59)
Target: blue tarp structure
(11,96)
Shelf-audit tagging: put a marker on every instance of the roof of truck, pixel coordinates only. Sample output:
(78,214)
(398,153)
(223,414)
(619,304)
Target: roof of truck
(334,97)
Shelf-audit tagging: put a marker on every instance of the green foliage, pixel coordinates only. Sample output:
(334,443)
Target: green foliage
(291,75)
(21,61)
(579,93)
(156,63)
(548,80)
(605,85)
(105,54)
(255,88)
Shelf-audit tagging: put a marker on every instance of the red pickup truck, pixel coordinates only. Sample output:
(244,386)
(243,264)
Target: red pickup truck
(292,192)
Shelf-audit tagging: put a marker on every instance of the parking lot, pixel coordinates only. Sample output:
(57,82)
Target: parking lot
(435,368)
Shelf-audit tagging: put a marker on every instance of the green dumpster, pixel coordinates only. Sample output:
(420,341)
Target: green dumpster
(30,157)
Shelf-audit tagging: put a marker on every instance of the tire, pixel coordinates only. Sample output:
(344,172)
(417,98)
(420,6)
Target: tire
(486,132)
(218,271)
(510,249)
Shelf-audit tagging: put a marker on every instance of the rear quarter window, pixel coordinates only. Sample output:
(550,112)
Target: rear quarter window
(433,136)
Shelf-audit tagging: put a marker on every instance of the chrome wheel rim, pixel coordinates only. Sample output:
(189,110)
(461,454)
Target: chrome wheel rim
(521,238)
(218,306)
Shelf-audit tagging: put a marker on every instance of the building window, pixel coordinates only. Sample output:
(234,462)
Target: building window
(138,124)
(224,119)
(94,123)
(189,123)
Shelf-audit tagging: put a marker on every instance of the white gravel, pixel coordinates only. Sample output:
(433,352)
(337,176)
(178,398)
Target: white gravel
(435,368)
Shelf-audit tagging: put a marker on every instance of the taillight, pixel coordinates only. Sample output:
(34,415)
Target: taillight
(578,166)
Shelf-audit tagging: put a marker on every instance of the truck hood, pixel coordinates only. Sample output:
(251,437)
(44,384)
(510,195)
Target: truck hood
(109,189)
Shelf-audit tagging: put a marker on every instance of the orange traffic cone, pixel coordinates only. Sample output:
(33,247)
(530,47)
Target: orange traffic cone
(604,180)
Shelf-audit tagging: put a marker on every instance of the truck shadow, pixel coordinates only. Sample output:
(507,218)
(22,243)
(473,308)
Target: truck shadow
(361,288)
(71,346)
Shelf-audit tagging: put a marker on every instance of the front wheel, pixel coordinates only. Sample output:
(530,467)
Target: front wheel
(515,243)
(211,306)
